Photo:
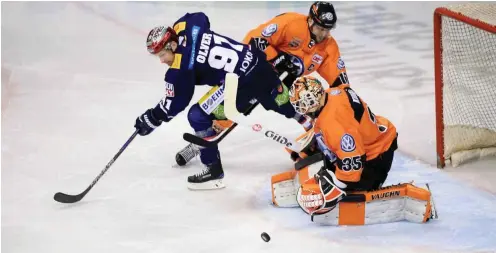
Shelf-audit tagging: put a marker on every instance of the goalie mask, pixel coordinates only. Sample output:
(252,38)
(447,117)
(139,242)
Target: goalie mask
(159,38)
(305,94)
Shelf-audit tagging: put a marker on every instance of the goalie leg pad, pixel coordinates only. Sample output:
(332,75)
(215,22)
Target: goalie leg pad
(284,188)
(285,185)
(386,205)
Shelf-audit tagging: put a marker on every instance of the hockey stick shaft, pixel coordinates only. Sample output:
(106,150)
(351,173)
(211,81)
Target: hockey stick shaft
(66,198)
(307,161)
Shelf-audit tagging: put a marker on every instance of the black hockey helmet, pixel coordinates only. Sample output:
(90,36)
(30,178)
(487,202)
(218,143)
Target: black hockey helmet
(323,14)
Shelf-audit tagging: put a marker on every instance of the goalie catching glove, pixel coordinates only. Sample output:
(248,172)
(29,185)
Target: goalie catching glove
(321,193)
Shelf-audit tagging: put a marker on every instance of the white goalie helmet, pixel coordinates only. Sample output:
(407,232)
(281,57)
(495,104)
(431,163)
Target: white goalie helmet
(305,94)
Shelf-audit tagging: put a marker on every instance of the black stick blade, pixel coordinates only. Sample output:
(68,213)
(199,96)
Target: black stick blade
(64,198)
(67,199)
(199,141)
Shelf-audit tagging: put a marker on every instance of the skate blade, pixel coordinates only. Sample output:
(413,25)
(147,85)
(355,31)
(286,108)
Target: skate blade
(433,206)
(209,185)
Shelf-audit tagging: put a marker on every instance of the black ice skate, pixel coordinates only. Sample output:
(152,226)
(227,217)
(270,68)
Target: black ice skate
(209,178)
(187,154)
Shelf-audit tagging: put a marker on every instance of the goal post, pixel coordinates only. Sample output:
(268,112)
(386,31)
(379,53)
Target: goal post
(465,82)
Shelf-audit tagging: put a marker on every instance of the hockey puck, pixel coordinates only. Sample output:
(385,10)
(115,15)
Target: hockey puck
(265,237)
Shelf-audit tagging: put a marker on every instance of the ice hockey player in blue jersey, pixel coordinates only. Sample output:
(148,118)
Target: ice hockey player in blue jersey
(198,56)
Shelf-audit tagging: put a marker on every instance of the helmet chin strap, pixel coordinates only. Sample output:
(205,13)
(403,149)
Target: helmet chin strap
(312,36)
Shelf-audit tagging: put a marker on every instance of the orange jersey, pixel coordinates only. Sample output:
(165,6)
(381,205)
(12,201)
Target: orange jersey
(347,127)
(289,33)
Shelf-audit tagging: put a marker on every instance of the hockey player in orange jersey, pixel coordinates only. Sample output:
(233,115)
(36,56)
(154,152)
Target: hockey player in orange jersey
(296,44)
(301,44)
(358,148)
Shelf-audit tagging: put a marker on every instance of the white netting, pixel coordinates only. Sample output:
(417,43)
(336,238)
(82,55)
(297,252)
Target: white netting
(469,83)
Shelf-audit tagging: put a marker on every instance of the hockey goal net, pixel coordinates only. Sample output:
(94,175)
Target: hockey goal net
(465,77)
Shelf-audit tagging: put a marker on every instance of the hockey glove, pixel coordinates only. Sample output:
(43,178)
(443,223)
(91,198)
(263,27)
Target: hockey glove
(320,194)
(146,123)
(281,95)
(260,43)
(290,63)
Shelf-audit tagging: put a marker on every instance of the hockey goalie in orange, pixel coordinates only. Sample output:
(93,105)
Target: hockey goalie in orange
(358,148)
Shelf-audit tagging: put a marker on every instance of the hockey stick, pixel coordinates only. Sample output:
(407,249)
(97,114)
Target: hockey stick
(232,113)
(210,143)
(308,161)
(213,142)
(66,198)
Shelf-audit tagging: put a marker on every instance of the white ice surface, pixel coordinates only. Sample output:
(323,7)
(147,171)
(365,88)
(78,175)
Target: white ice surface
(75,76)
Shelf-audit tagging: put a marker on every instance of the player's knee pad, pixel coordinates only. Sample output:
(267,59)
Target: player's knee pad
(198,119)
(202,124)
(386,205)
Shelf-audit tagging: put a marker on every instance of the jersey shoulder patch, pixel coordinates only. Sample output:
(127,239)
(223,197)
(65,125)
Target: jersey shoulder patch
(179,27)
(269,30)
(176,64)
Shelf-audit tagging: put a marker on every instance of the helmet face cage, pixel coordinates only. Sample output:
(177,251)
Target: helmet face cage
(305,94)
(323,14)
(158,38)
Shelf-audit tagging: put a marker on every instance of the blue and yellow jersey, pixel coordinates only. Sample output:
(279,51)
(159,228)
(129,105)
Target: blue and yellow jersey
(203,57)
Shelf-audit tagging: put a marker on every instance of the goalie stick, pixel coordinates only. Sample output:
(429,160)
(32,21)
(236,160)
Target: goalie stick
(307,161)
(66,198)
